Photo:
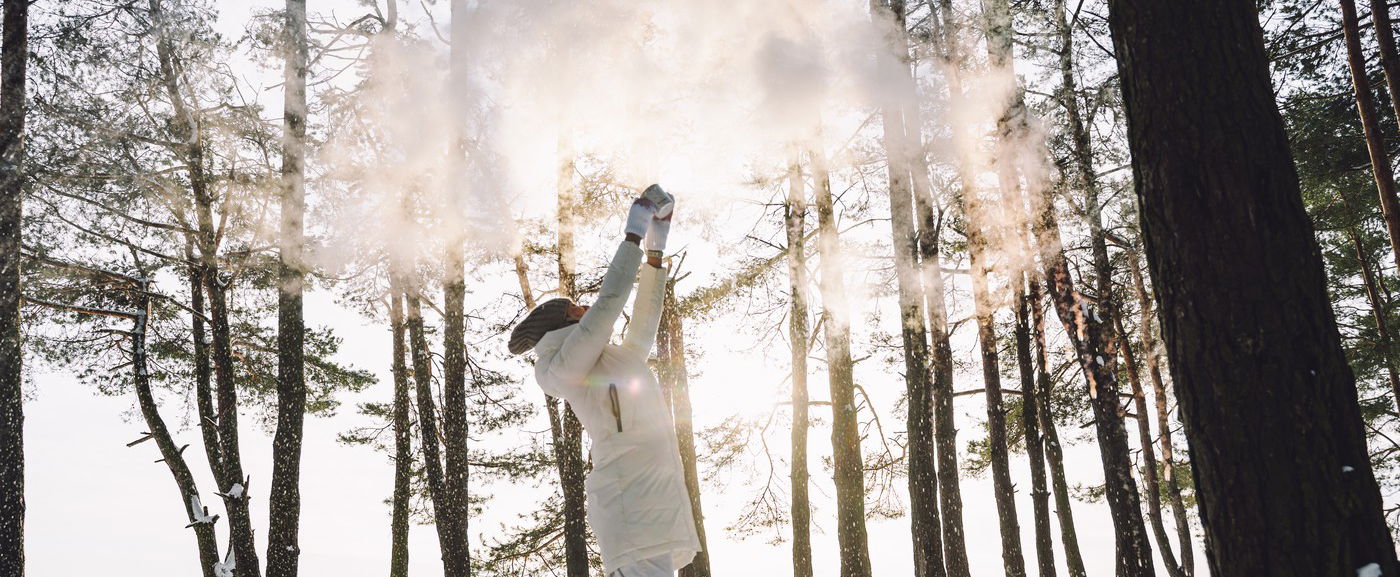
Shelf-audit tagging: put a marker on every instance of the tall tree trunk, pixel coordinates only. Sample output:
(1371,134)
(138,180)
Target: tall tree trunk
(945,427)
(203,389)
(14,55)
(900,145)
(570,447)
(1278,446)
(1371,125)
(230,471)
(454,347)
(1390,61)
(427,417)
(284,507)
(1030,422)
(845,433)
(1054,454)
(676,380)
(1149,454)
(1093,335)
(799,337)
(1373,297)
(403,442)
(1159,396)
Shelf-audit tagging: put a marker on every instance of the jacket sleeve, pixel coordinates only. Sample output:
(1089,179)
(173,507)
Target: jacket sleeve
(581,348)
(646,313)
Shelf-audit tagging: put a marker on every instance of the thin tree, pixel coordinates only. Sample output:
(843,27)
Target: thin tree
(799,336)
(14,55)
(1028,295)
(1278,445)
(403,441)
(283,544)
(675,382)
(1371,125)
(1377,305)
(569,448)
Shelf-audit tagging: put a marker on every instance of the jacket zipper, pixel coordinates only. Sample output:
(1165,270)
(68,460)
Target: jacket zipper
(616,406)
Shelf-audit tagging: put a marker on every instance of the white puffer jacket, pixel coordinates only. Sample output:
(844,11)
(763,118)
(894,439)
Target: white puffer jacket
(638,505)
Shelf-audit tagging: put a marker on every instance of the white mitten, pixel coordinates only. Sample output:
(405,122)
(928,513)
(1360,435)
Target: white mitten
(640,216)
(663,200)
(656,233)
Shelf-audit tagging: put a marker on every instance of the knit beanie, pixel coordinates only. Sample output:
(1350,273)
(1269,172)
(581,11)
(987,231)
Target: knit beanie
(549,316)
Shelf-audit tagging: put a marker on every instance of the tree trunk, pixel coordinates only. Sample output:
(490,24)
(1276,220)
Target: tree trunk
(203,389)
(284,507)
(1149,454)
(1371,125)
(403,442)
(570,449)
(899,147)
(427,419)
(1164,438)
(1373,297)
(14,55)
(675,379)
(1390,61)
(1278,446)
(1054,454)
(799,337)
(1092,334)
(1030,421)
(845,433)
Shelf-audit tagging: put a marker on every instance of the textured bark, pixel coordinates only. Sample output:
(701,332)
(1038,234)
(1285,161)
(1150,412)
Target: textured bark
(845,433)
(284,507)
(428,436)
(1159,396)
(1090,327)
(14,55)
(676,382)
(569,448)
(1054,454)
(403,442)
(1385,40)
(1149,454)
(901,140)
(1028,296)
(799,338)
(203,372)
(1371,125)
(1278,446)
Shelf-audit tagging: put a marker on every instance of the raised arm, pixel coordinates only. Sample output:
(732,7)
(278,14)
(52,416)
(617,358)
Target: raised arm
(582,347)
(646,312)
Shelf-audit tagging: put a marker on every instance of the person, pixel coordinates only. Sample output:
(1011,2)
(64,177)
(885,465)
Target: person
(638,505)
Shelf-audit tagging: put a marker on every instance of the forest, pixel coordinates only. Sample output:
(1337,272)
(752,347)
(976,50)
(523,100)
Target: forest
(953,287)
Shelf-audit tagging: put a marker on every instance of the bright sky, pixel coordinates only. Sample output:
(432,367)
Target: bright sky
(97,507)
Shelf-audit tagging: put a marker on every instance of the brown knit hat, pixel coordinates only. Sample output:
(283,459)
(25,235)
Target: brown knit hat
(549,316)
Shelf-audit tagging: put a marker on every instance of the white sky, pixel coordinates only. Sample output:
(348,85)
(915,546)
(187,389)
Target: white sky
(97,507)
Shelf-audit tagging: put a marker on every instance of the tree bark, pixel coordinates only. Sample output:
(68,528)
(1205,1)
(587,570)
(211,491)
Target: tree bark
(1164,437)
(899,146)
(1371,124)
(427,420)
(675,376)
(1278,446)
(1090,328)
(14,55)
(403,442)
(1027,295)
(570,449)
(284,507)
(845,433)
(799,337)
(1390,60)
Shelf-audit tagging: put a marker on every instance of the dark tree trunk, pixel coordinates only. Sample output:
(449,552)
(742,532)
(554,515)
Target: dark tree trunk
(1090,328)
(170,453)
(900,138)
(1030,421)
(403,442)
(1054,454)
(1371,124)
(799,337)
(14,55)
(1278,446)
(1164,438)
(1373,298)
(676,381)
(427,420)
(203,373)
(570,437)
(1385,39)
(845,433)
(284,508)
